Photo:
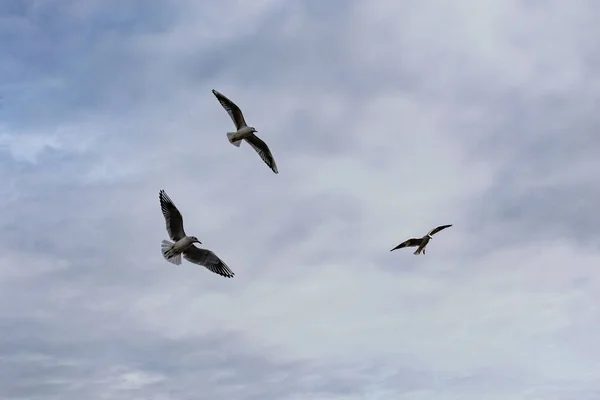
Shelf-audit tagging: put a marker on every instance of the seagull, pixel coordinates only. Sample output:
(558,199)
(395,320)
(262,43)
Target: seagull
(245,132)
(185,244)
(421,242)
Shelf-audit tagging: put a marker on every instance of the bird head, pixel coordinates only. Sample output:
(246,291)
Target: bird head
(195,240)
(253,129)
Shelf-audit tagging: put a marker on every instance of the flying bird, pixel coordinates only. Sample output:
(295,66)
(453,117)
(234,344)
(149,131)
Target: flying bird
(245,132)
(421,242)
(183,244)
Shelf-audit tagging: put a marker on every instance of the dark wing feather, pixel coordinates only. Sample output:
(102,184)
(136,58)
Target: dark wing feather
(263,151)
(439,228)
(413,242)
(207,259)
(173,217)
(234,111)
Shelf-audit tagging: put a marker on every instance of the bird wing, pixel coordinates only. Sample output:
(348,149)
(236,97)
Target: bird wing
(439,228)
(173,217)
(412,242)
(234,111)
(207,259)
(263,151)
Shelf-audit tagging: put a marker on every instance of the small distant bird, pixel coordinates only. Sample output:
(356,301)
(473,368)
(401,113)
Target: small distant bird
(421,242)
(245,132)
(185,244)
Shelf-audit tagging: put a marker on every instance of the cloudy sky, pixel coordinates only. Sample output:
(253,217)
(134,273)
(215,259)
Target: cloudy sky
(386,118)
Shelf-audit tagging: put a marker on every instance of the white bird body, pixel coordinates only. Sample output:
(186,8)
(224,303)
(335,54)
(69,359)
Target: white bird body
(177,248)
(424,242)
(235,138)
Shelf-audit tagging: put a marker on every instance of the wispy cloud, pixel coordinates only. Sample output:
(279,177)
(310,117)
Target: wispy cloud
(386,119)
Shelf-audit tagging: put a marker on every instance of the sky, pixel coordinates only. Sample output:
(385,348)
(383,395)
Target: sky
(386,119)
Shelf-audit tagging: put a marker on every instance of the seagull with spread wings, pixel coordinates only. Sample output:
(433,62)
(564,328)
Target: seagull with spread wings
(183,244)
(245,132)
(421,242)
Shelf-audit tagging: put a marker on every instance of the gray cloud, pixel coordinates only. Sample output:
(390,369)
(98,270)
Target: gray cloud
(385,119)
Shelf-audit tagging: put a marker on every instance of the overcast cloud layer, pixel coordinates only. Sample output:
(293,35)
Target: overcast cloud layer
(386,118)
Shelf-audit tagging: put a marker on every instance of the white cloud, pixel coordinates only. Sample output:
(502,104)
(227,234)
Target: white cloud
(386,119)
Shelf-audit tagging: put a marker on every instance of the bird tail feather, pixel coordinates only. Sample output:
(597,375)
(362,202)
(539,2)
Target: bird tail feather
(232,140)
(166,248)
